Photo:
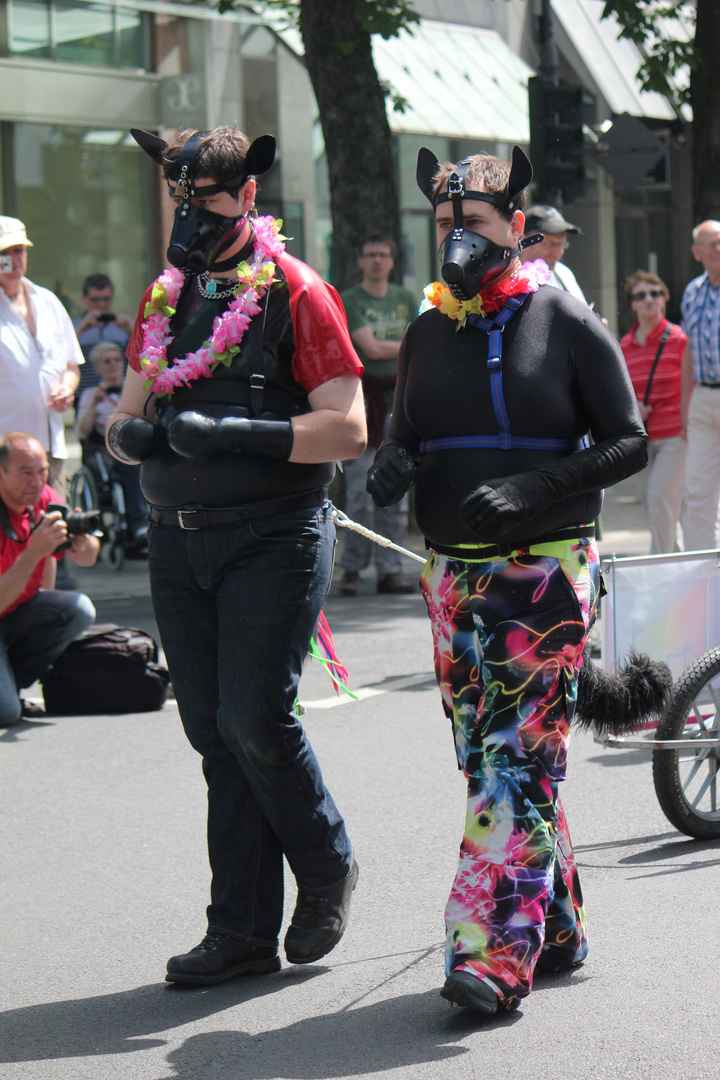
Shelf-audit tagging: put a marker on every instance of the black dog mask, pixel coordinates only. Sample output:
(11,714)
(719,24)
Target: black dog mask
(470,261)
(199,237)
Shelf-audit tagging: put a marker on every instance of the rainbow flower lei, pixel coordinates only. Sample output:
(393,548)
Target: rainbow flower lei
(254,279)
(527,278)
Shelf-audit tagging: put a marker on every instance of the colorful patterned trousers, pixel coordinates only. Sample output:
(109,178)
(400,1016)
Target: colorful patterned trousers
(508,635)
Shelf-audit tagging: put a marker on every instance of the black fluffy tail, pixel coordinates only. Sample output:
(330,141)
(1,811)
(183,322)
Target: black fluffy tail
(620,702)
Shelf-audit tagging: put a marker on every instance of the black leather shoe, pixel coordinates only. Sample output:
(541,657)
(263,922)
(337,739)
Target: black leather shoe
(462,988)
(218,958)
(319,920)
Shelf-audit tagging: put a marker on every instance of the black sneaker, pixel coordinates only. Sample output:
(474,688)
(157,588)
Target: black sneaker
(553,959)
(470,991)
(218,958)
(319,920)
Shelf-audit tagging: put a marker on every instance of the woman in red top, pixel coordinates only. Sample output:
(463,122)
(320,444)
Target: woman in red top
(664,476)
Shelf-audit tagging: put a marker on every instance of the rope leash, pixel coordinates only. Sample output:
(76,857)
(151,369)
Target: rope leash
(347,523)
(321,643)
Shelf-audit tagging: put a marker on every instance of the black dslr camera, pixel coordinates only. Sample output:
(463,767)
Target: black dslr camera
(78,522)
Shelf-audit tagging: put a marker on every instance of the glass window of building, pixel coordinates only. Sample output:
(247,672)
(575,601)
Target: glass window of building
(88,200)
(78,33)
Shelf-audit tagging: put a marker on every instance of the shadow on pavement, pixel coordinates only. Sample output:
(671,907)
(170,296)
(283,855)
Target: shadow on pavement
(613,758)
(389,1034)
(679,849)
(121,1023)
(400,1032)
(631,841)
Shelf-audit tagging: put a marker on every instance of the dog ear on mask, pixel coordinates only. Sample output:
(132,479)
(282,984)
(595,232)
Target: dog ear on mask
(427,166)
(151,144)
(521,173)
(260,155)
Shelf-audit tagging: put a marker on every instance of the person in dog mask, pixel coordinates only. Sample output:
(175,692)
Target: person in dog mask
(243,389)
(500,379)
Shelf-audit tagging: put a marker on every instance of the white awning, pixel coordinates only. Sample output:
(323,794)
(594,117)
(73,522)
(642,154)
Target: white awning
(465,82)
(610,61)
(459,82)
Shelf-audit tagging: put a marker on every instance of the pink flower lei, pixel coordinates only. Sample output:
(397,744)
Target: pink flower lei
(254,279)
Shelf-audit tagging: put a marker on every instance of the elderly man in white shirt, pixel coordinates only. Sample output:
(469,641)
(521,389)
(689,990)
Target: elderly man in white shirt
(550,222)
(39,353)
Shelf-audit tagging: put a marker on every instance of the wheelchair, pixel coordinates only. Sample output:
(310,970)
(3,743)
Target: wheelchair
(93,487)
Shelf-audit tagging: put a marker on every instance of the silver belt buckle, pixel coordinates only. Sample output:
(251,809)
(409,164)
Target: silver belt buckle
(181,520)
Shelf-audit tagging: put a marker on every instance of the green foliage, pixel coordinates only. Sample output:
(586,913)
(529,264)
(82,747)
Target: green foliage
(384,17)
(399,103)
(663,57)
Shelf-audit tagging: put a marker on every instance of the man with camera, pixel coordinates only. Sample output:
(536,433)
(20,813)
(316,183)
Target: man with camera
(37,621)
(99,325)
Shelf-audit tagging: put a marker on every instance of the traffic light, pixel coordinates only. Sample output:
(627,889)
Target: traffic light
(558,114)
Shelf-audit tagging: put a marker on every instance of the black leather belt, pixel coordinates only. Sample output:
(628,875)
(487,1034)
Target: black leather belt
(206,517)
(711,385)
(490,551)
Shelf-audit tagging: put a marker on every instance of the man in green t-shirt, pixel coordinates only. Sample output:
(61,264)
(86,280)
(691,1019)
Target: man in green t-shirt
(378,313)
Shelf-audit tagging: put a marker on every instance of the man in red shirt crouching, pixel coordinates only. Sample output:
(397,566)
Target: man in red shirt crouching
(37,622)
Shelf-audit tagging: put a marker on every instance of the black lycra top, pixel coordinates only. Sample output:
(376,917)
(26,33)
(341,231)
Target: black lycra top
(563,377)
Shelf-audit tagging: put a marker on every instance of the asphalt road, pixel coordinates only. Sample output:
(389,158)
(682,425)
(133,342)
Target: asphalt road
(105,876)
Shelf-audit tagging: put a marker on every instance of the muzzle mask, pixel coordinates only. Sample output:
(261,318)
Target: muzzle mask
(200,237)
(470,261)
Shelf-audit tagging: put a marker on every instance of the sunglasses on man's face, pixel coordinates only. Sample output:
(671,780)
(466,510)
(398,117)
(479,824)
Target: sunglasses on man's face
(654,293)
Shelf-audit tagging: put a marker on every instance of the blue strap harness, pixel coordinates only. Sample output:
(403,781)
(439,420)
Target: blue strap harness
(504,440)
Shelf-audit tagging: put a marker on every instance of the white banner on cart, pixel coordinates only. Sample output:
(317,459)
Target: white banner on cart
(664,605)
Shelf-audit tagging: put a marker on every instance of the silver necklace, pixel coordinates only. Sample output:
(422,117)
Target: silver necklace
(209,290)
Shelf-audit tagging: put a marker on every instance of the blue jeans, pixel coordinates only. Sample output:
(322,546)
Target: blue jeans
(32,637)
(236,606)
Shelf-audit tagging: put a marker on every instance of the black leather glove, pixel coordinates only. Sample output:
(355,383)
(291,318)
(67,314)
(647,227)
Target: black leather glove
(498,507)
(135,439)
(191,434)
(391,473)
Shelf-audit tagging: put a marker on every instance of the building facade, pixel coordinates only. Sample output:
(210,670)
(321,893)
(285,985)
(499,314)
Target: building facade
(75,75)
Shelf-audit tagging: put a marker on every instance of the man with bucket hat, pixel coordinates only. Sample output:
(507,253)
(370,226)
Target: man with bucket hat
(39,353)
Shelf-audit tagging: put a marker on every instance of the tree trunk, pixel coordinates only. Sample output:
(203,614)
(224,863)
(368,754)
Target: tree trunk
(705,98)
(358,142)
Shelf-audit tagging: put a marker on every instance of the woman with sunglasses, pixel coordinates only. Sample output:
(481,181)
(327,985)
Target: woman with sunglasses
(653,350)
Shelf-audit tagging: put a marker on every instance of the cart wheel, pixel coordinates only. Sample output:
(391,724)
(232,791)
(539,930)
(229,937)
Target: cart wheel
(116,556)
(686,781)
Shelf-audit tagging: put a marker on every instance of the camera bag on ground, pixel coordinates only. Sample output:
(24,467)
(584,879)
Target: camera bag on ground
(108,669)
